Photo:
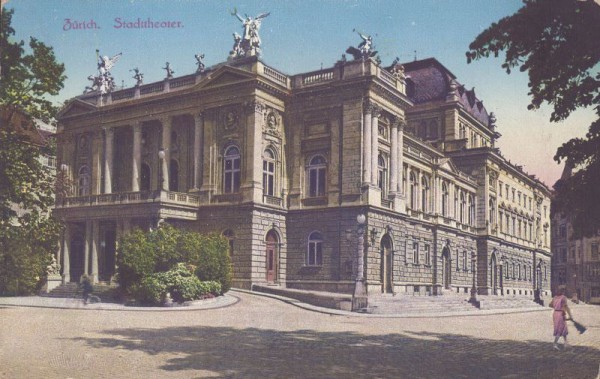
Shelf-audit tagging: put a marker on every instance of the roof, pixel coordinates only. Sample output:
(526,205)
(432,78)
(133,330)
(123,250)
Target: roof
(16,120)
(431,81)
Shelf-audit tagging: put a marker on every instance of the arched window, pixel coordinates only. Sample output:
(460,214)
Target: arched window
(382,175)
(317,175)
(145,180)
(231,170)
(413,190)
(314,256)
(174,175)
(425,194)
(471,203)
(445,199)
(269,173)
(174,141)
(83,182)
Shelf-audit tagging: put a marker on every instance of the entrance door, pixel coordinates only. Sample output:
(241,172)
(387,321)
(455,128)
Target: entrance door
(446,269)
(271,257)
(386,265)
(77,257)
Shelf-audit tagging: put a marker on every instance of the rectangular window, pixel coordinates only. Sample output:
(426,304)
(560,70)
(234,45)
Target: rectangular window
(595,251)
(415,253)
(315,256)
(464,261)
(500,189)
(427,256)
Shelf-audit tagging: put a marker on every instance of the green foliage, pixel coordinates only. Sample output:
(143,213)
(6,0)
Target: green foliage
(179,282)
(557,43)
(214,263)
(136,258)
(27,78)
(24,181)
(165,260)
(25,253)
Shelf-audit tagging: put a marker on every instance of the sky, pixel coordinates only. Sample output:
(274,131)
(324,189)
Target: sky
(300,36)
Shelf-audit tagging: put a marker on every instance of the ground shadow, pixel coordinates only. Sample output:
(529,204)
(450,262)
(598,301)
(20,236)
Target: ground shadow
(251,353)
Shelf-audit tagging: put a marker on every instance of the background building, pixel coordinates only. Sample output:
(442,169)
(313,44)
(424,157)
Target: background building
(575,261)
(282,165)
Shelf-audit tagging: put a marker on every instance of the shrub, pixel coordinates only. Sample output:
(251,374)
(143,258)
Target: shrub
(179,282)
(214,263)
(171,260)
(136,258)
(26,251)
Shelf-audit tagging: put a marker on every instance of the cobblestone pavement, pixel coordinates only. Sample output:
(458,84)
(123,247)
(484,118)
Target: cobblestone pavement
(260,337)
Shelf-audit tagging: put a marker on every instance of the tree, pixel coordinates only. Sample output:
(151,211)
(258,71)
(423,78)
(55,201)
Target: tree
(28,239)
(26,79)
(557,42)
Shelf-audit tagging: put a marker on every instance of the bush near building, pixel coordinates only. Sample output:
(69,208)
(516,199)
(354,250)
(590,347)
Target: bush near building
(25,254)
(185,264)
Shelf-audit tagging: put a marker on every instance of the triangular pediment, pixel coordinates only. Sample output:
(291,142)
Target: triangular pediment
(75,107)
(448,165)
(225,75)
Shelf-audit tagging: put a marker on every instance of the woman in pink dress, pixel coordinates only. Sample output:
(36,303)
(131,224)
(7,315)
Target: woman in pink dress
(561,309)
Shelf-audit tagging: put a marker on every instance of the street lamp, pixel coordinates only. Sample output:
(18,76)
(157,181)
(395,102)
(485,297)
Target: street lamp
(473,298)
(359,297)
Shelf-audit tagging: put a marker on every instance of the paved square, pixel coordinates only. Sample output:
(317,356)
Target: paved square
(261,337)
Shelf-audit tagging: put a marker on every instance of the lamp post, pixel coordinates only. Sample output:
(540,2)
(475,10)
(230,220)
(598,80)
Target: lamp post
(473,298)
(359,297)
(537,293)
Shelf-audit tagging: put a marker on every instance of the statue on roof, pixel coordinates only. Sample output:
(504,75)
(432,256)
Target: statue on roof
(169,71)
(236,51)
(365,49)
(105,63)
(138,76)
(200,63)
(103,81)
(250,42)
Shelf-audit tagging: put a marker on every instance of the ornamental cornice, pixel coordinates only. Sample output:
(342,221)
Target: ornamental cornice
(254,106)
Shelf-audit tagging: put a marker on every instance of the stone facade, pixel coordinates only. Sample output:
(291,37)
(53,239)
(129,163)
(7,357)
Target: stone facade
(575,261)
(282,165)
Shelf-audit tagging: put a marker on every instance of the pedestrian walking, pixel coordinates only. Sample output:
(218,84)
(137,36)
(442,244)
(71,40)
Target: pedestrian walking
(87,288)
(561,309)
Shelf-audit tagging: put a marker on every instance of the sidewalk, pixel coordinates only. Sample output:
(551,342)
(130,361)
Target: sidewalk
(396,313)
(73,303)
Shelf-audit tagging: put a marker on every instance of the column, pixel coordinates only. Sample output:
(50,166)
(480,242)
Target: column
(400,144)
(137,157)
(95,243)
(367,143)
(86,249)
(251,187)
(96,168)
(374,145)
(165,144)
(394,159)
(198,134)
(108,159)
(66,255)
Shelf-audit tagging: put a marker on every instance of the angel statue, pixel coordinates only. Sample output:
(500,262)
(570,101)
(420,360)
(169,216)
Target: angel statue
(365,48)
(201,66)
(138,76)
(251,39)
(170,72)
(105,63)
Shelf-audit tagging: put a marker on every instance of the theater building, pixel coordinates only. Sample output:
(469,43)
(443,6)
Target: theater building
(283,164)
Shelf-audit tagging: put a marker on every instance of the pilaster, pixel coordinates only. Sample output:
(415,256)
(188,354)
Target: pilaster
(137,157)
